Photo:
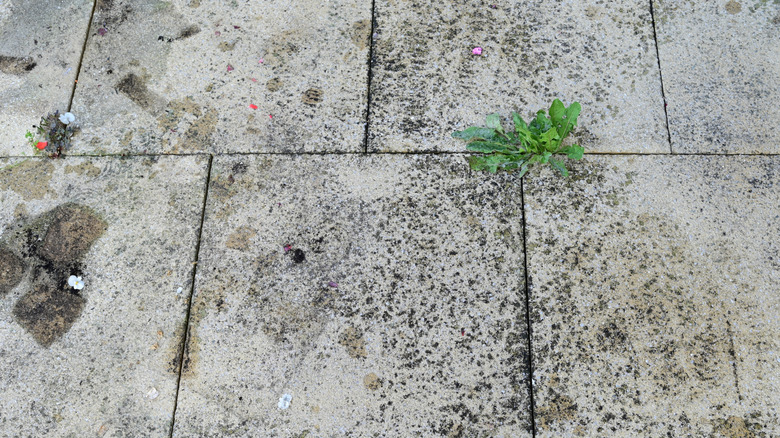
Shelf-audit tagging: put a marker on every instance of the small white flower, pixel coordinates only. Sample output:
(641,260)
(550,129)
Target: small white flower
(67,118)
(75,282)
(152,393)
(284,401)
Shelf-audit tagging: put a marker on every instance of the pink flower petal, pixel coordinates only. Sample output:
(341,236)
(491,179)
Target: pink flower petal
(270,116)
(102,31)
(253,79)
(476,51)
(217,33)
(230,67)
(261,61)
(333,284)
(287,248)
(253,106)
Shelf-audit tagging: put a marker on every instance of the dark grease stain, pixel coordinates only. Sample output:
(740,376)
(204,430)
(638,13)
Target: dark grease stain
(299,256)
(135,89)
(14,65)
(188,32)
(53,245)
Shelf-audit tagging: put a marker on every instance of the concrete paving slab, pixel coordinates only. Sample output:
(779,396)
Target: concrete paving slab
(653,297)
(383,293)
(40,47)
(188,75)
(101,360)
(720,71)
(426,82)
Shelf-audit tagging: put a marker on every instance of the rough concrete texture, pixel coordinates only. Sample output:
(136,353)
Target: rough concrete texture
(180,76)
(102,360)
(653,297)
(396,310)
(426,82)
(721,74)
(40,47)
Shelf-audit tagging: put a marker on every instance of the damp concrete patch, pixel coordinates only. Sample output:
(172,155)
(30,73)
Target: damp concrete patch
(186,76)
(384,294)
(720,70)
(40,47)
(653,297)
(426,83)
(93,275)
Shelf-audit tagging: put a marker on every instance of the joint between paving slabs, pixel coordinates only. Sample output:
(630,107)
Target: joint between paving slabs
(661,77)
(81,58)
(370,62)
(529,362)
(185,338)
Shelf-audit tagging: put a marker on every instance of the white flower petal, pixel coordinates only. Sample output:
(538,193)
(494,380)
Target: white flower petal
(67,118)
(284,401)
(72,281)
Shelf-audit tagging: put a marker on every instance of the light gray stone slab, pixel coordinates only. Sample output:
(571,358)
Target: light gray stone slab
(654,297)
(426,83)
(40,47)
(103,360)
(180,76)
(420,333)
(721,74)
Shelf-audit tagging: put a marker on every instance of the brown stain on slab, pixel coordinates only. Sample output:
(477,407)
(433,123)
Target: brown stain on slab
(30,178)
(73,230)
(274,84)
(361,33)
(188,31)
(188,115)
(735,427)
(52,246)
(18,66)
(559,409)
(354,343)
(48,313)
(85,169)
(312,96)
(240,239)
(11,270)
(733,7)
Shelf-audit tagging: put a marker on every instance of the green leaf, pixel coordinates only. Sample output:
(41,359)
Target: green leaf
(571,118)
(574,151)
(487,147)
(550,140)
(557,111)
(477,163)
(494,122)
(520,125)
(475,132)
(559,165)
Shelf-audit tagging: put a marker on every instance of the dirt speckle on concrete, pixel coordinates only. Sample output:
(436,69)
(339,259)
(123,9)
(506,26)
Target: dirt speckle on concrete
(353,341)
(360,33)
(72,231)
(11,270)
(48,313)
(312,96)
(30,178)
(372,381)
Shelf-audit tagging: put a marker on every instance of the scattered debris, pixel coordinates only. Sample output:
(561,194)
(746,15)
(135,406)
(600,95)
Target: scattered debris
(476,51)
(152,394)
(178,291)
(284,401)
(75,282)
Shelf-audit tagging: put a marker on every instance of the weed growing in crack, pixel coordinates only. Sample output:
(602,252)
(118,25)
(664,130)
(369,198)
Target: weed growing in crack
(53,134)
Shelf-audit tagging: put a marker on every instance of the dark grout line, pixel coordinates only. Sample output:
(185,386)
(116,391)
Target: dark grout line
(370,62)
(661,76)
(192,293)
(81,58)
(464,154)
(529,363)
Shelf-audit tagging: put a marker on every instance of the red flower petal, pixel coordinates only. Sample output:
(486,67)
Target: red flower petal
(253,106)
(42,145)
(230,67)
(287,248)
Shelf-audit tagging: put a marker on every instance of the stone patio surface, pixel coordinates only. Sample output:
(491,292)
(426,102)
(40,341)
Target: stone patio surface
(264,228)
